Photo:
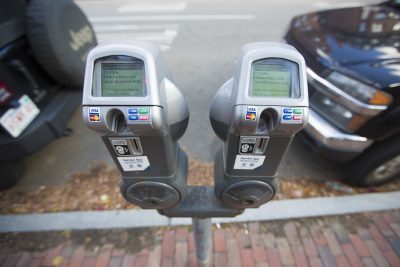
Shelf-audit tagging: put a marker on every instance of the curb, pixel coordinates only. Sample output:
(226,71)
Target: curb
(274,210)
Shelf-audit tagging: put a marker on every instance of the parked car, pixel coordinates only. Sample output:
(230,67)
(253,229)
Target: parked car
(353,68)
(43,48)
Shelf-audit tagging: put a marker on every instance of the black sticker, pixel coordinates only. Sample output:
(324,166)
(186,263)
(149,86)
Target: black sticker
(121,147)
(122,150)
(246,148)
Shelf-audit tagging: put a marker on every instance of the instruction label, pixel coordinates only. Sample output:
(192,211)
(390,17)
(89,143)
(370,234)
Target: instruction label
(121,147)
(139,163)
(244,162)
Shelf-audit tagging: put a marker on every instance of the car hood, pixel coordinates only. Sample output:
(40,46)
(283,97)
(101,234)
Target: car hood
(360,39)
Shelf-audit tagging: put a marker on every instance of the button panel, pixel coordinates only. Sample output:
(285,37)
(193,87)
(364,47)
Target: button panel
(139,114)
(292,115)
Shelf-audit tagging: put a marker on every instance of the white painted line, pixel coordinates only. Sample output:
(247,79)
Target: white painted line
(142,8)
(165,33)
(328,5)
(168,39)
(163,45)
(172,18)
(275,210)
(133,27)
(164,39)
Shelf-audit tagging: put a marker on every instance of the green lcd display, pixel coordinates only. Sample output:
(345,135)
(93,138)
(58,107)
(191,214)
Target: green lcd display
(122,79)
(269,79)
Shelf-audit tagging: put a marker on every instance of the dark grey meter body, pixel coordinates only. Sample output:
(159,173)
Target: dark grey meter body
(256,114)
(130,99)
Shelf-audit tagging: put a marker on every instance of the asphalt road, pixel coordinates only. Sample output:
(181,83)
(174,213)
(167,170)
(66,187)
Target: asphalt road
(199,40)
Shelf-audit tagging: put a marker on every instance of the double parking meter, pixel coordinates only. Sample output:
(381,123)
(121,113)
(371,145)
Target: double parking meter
(256,114)
(131,101)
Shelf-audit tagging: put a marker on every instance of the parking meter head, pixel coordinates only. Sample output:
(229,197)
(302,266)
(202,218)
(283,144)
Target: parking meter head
(130,99)
(127,75)
(256,113)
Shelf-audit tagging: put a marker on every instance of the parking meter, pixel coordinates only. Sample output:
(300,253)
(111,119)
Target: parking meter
(130,100)
(256,114)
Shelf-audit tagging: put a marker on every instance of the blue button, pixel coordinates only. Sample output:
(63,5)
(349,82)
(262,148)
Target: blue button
(133,117)
(287,110)
(133,111)
(287,117)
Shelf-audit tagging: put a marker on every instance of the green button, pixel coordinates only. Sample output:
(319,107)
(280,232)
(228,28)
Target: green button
(144,110)
(297,111)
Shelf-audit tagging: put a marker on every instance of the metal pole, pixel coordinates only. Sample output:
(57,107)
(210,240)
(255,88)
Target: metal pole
(202,239)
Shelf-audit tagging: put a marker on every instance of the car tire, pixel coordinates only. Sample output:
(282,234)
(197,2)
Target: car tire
(60,37)
(378,165)
(11,173)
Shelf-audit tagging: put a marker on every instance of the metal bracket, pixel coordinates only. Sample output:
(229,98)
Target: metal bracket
(200,202)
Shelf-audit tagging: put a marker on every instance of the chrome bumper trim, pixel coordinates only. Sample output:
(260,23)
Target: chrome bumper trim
(341,97)
(324,133)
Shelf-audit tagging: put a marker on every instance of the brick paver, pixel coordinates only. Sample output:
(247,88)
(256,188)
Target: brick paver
(352,255)
(319,242)
(359,245)
(219,240)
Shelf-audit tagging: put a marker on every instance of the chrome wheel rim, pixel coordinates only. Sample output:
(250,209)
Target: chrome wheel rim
(385,171)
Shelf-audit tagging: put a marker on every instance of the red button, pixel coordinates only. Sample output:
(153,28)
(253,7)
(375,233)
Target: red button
(144,117)
(297,117)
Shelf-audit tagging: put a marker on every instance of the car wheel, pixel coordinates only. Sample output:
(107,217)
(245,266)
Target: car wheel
(11,173)
(378,165)
(60,37)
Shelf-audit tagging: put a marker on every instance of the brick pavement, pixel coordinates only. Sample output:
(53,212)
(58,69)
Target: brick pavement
(371,239)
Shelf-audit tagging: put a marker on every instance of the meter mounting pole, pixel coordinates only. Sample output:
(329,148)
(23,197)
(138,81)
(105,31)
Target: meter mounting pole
(203,240)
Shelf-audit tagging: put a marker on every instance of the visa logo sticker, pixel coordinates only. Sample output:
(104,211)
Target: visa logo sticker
(251,113)
(94,114)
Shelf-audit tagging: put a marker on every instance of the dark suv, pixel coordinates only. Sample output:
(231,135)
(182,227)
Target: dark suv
(43,48)
(353,59)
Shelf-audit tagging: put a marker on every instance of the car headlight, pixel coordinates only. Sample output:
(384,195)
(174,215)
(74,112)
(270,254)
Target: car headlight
(359,90)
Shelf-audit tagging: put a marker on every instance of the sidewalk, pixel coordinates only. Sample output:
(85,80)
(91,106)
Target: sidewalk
(369,239)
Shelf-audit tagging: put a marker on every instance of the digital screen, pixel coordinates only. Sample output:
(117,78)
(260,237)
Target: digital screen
(269,79)
(122,79)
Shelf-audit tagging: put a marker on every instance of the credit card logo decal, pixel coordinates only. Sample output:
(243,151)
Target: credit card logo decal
(251,113)
(94,114)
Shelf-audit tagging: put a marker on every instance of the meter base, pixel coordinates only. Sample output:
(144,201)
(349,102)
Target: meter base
(158,192)
(200,202)
(241,192)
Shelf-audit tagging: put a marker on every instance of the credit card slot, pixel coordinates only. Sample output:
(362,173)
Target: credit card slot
(136,146)
(261,145)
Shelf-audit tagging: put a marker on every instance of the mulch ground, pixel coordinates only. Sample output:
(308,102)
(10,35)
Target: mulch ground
(98,189)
